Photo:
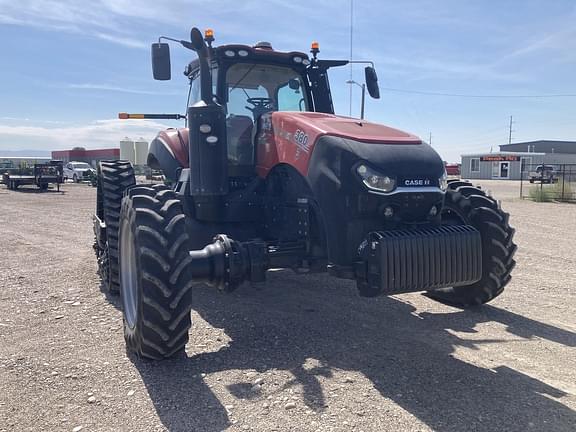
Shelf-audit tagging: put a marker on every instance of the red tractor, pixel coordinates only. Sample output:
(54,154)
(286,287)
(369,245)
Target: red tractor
(265,175)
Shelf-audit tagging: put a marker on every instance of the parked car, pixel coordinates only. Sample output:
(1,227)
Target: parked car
(78,171)
(544,174)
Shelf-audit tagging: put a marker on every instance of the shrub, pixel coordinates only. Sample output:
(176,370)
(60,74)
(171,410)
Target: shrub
(563,190)
(541,194)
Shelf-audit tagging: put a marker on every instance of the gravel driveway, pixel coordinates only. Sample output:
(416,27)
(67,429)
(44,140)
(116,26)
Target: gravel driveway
(298,354)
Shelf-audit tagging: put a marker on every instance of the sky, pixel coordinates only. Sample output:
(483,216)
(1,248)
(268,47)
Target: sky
(68,67)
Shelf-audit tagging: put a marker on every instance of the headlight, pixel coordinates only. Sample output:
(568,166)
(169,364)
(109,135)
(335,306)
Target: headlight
(443,181)
(375,180)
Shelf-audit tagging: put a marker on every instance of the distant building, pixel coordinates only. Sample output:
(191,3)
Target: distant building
(515,161)
(80,154)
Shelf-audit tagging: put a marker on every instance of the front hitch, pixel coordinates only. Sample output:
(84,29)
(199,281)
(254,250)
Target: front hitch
(226,263)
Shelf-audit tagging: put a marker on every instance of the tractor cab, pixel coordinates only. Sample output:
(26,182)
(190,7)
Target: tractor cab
(249,82)
(233,90)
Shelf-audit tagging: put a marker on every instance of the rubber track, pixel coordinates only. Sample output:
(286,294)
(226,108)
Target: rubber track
(498,248)
(115,177)
(165,284)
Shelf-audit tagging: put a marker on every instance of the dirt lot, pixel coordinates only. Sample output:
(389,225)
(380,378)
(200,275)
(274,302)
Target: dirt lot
(300,354)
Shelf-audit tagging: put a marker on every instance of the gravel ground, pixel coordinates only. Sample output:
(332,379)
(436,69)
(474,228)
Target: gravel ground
(299,354)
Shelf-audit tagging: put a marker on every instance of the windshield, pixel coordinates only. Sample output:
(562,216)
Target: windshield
(80,165)
(255,89)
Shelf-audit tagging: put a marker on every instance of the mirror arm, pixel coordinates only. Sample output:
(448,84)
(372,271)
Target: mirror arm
(371,63)
(203,57)
(184,43)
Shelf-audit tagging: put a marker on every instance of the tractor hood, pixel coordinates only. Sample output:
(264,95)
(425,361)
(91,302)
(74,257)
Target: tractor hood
(318,124)
(292,137)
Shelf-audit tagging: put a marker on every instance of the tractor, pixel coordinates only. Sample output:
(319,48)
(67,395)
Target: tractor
(264,175)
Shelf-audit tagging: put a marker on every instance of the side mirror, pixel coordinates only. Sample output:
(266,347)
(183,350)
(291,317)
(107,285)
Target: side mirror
(197,39)
(372,82)
(294,84)
(161,61)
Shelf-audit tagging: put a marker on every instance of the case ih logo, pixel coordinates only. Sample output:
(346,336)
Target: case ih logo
(416,182)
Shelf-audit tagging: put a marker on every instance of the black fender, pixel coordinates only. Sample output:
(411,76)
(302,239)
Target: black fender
(168,152)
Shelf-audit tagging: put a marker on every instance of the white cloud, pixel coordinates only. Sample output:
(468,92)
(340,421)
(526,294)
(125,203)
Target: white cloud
(121,40)
(559,45)
(425,68)
(70,16)
(112,88)
(97,134)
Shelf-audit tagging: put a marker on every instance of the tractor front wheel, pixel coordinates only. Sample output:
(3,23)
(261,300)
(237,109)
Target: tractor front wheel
(466,204)
(155,283)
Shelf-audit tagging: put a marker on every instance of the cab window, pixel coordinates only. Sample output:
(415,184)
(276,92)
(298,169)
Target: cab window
(252,90)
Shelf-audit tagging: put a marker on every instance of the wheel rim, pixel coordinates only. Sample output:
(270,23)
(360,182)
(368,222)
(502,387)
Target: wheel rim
(128,275)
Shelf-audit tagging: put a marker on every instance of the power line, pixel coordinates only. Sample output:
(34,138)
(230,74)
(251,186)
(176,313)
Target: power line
(426,93)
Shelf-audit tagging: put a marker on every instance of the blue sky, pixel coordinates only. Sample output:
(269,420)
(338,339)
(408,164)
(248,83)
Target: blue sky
(69,66)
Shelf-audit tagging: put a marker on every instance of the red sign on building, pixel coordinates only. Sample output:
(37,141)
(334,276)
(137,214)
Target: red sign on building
(500,158)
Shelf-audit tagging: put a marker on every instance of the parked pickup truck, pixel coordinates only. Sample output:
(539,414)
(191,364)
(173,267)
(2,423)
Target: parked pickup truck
(544,174)
(78,171)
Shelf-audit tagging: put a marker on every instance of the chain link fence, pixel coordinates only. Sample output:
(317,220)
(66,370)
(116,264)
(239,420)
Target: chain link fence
(548,182)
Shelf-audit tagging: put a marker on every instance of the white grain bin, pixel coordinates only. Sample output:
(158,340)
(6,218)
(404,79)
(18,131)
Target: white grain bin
(141,146)
(127,150)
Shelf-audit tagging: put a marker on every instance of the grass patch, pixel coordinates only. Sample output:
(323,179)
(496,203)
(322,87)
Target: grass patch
(563,190)
(541,194)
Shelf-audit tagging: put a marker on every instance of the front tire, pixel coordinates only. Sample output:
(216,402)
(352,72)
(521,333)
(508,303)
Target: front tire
(155,281)
(469,205)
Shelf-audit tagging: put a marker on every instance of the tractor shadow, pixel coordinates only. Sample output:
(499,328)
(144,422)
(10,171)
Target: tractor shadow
(408,358)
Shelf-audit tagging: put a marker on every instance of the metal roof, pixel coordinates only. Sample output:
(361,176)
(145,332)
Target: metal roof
(546,146)
(504,153)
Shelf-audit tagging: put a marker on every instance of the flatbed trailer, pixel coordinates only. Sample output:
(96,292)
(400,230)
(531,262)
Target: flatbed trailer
(40,175)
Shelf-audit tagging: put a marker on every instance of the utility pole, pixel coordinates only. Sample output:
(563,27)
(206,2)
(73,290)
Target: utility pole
(430,138)
(363,87)
(351,41)
(510,131)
